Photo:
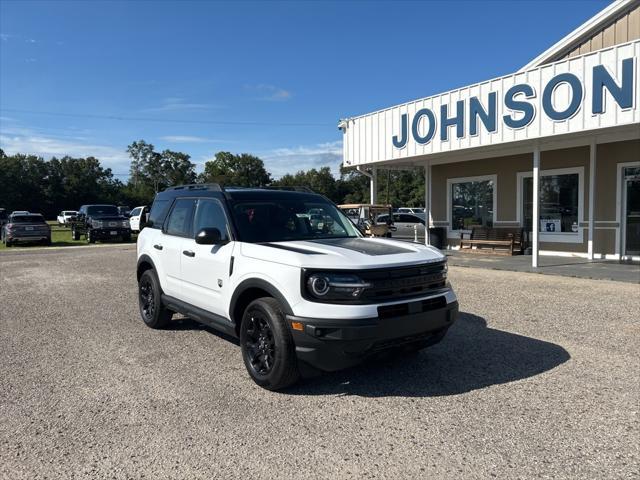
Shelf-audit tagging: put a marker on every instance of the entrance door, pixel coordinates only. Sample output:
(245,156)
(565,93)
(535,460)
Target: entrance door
(631,210)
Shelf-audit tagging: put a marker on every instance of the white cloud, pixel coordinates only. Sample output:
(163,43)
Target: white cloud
(173,104)
(5,37)
(292,159)
(47,146)
(270,92)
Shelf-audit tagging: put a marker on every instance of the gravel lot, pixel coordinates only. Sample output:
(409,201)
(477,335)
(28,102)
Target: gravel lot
(539,378)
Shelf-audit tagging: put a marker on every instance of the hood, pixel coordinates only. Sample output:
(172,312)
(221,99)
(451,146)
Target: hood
(343,253)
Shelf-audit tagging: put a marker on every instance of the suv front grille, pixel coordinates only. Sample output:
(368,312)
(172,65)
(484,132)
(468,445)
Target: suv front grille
(405,282)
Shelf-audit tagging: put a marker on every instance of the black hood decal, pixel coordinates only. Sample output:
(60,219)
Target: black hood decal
(363,246)
(291,249)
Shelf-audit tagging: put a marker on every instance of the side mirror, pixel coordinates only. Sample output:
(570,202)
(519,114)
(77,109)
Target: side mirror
(209,236)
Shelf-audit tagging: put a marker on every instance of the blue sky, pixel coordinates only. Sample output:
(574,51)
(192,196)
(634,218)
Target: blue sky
(268,78)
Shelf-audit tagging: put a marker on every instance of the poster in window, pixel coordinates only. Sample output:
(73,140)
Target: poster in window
(550,225)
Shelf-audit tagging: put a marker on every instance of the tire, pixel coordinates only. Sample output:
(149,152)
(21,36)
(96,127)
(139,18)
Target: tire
(47,242)
(75,235)
(267,346)
(90,238)
(153,313)
(127,238)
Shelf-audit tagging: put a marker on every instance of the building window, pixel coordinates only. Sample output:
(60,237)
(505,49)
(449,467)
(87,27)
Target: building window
(558,203)
(472,203)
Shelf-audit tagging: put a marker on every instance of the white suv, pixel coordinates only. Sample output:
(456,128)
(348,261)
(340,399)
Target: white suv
(288,274)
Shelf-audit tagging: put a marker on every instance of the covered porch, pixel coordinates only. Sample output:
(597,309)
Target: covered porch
(597,160)
(616,270)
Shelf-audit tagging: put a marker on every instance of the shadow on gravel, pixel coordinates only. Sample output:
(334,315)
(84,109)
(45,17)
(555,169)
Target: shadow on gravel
(470,357)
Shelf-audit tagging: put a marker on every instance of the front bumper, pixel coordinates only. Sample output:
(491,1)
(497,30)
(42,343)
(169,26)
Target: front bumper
(114,232)
(330,344)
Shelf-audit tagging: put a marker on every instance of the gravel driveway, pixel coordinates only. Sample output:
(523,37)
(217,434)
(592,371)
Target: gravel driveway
(540,377)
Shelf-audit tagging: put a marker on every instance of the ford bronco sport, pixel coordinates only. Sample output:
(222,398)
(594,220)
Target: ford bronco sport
(288,274)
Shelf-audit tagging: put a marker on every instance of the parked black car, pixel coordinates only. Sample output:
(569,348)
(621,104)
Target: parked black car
(30,227)
(100,222)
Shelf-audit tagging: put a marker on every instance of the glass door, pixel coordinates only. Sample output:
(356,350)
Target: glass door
(631,210)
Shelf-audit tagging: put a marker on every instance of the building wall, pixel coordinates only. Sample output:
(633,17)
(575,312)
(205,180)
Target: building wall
(506,170)
(622,29)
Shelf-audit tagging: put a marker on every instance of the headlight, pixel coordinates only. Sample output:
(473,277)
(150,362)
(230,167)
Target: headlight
(97,224)
(335,286)
(125,223)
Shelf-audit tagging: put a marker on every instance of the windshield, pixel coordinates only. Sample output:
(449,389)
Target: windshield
(102,210)
(27,219)
(290,219)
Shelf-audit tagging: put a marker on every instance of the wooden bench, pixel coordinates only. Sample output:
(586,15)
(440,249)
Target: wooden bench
(503,241)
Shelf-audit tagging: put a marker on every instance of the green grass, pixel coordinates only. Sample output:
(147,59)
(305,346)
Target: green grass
(60,237)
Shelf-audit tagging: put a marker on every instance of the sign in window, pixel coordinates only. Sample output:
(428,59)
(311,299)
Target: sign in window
(559,196)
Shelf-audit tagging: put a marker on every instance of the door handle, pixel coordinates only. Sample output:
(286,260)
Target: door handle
(158,247)
(189,253)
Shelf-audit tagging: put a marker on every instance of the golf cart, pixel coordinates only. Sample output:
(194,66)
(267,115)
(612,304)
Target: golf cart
(365,217)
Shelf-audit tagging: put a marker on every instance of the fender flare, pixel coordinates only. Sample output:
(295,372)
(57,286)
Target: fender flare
(263,285)
(144,259)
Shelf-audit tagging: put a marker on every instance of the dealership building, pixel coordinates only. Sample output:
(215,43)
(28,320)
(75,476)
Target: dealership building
(557,141)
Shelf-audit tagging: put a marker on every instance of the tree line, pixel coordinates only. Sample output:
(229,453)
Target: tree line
(29,182)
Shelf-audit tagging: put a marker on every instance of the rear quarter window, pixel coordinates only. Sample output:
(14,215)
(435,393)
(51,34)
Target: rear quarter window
(158,213)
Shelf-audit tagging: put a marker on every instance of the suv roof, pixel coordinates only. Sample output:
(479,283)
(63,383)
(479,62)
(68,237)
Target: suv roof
(216,190)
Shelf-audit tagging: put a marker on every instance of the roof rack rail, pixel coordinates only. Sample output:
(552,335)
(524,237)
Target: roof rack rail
(295,188)
(214,187)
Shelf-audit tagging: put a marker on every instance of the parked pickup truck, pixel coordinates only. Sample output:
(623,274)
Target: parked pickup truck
(66,217)
(100,222)
(300,296)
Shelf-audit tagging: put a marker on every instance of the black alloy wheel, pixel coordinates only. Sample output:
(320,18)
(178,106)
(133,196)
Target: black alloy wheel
(268,351)
(147,300)
(153,313)
(261,348)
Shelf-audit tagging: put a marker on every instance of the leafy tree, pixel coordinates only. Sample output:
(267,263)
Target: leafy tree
(242,170)
(141,153)
(178,168)
(31,183)
(320,181)
(152,171)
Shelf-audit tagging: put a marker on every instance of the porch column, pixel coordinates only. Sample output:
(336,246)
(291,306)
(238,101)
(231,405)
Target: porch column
(592,200)
(427,203)
(536,208)
(373,186)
